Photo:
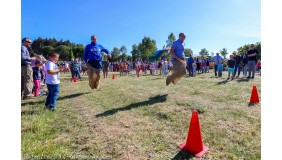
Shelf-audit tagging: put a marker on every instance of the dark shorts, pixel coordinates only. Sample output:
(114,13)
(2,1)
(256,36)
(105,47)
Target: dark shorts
(95,64)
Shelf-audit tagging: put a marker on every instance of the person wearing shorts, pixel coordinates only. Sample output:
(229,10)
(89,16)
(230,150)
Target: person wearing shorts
(231,66)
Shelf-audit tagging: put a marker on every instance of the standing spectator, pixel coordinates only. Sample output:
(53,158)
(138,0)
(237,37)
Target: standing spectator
(165,66)
(26,69)
(231,65)
(76,69)
(151,68)
(207,65)
(84,68)
(220,69)
(67,66)
(92,56)
(198,63)
(190,62)
(160,67)
(244,63)
(259,66)
(121,69)
(137,69)
(43,71)
(217,59)
(71,68)
(169,65)
(237,59)
(203,64)
(106,65)
(252,55)
(194,68)
(52,80)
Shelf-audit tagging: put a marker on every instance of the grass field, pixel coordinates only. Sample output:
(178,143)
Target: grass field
(141,118)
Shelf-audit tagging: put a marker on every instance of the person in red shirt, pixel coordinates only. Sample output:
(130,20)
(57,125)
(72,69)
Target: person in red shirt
(259,65)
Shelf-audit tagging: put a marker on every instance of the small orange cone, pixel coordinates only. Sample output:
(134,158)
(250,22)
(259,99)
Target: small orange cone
(138,75)
(113,76)
(254,97)
(74,79)
(194,143)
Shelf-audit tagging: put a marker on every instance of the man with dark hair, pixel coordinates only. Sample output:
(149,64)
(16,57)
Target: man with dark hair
(26,69)
(93,58)
(252,59)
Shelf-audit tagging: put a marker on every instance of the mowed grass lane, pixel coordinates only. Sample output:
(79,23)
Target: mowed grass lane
(141,118)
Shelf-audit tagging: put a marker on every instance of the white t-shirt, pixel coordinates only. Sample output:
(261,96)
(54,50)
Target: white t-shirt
(52,78)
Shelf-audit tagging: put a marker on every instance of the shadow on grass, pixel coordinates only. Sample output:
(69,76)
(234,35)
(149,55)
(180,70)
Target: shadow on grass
(60,98)
(182,155)
(158,78)
(252,104)
(222,82)
(31,111)
(152,100)
(243,80)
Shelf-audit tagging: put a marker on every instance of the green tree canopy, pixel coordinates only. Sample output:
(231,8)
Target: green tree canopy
(123,49)
(135,52)
(187,52)
(170,39)
(64,52)
(45,50)
(115,54)
(204,52)
(147,47)
(223,52)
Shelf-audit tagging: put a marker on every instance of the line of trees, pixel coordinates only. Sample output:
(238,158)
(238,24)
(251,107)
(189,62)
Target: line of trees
(143,50)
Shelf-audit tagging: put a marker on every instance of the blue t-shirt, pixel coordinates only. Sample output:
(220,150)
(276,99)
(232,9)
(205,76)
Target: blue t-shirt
(190,61)
(217,59)
(179,49)
(219,67)
(93,52)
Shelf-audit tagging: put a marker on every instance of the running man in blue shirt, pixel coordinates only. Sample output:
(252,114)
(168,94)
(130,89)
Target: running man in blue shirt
(93,59)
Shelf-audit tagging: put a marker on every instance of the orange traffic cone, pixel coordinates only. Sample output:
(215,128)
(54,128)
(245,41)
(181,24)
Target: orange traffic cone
(194,143)
(254,97)
(138,75)
(113,76)
(74,79)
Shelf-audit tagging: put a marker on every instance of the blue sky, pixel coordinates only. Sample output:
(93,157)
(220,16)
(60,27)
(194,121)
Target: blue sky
(208,24)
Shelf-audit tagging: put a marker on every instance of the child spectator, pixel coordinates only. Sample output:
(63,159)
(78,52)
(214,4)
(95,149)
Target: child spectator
(124,68)
(43,71)
(151,68)
(37,75)
(165,66)
(106,65)
(207,65)
(231,65)
(194,65)
(259,65)
(76,69)
(52,80)
(203,65)
(220,69)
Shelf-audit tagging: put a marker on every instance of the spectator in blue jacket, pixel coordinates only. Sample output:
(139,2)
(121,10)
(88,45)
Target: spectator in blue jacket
(190,62)
(93,59)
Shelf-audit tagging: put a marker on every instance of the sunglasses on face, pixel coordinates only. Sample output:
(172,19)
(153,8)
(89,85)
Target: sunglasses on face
(28,41)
